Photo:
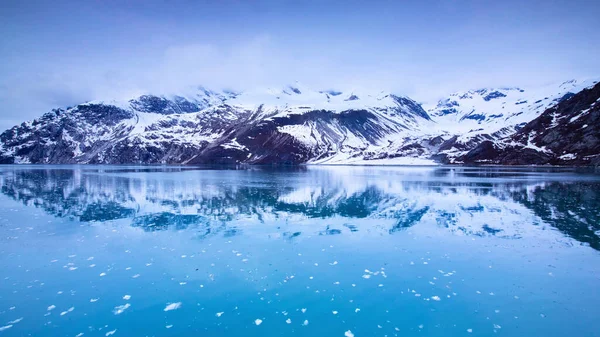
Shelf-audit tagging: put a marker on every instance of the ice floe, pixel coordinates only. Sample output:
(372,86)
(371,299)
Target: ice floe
(172,306)
(119,309)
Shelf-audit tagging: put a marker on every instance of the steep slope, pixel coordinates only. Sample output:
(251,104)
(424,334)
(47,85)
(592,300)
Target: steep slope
(290,125)
(491,114)
(565,134)
(294,125)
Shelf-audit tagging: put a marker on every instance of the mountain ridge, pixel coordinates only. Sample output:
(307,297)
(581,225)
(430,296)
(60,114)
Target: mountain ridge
(289,125)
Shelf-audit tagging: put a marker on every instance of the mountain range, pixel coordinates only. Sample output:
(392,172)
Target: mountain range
(555,124)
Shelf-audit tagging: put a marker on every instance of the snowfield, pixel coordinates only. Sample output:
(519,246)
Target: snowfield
(290,125)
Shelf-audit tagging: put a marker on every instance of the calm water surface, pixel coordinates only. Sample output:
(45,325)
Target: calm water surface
(346,251)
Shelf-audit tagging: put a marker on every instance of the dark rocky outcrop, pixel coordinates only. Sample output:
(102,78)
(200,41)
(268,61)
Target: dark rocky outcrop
(566,134)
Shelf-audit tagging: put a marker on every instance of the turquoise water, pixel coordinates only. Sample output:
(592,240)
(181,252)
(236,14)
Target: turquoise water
(317,251)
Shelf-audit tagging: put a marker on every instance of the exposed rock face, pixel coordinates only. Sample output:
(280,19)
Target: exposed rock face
(213,128)
(566,134)
(296,125)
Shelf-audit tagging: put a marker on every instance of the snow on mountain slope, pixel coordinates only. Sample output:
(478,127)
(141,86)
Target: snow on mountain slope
(297,99)
(289,125)
(489,114)
(489,110)
(565,134)
(292,125)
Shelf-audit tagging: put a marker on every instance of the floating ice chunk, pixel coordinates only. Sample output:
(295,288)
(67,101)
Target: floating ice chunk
(356,310)
(219,314)
(172,306)
(420,326)
(303,310)
(288,321)
(336,282)
(334,312)
(90,258)
(102,274)
(136,276)
(92,300)
(258,321)
(435,298)
(348,334)
(16,321)
(119,309)
(110,333)
(6,327)
(92,265)
(334,263)
(68,311)
(366,276)
(52,307)
(72,268)
(305,323)
(496,326)
(79,334)
(469,330)
(127,297)
(169,326)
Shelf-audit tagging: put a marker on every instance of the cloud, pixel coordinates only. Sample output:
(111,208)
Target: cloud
(261,61)
(239,66)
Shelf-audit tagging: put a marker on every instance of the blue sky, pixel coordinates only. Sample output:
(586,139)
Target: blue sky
(57,53)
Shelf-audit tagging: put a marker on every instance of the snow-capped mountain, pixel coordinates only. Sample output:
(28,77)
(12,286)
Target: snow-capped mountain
(289,125)
(490,114)
(565,134)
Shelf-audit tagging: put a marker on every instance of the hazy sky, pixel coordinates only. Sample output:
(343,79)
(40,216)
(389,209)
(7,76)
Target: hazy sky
(57,53)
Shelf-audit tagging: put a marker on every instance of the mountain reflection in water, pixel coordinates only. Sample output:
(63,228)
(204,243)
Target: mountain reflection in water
(507,203)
